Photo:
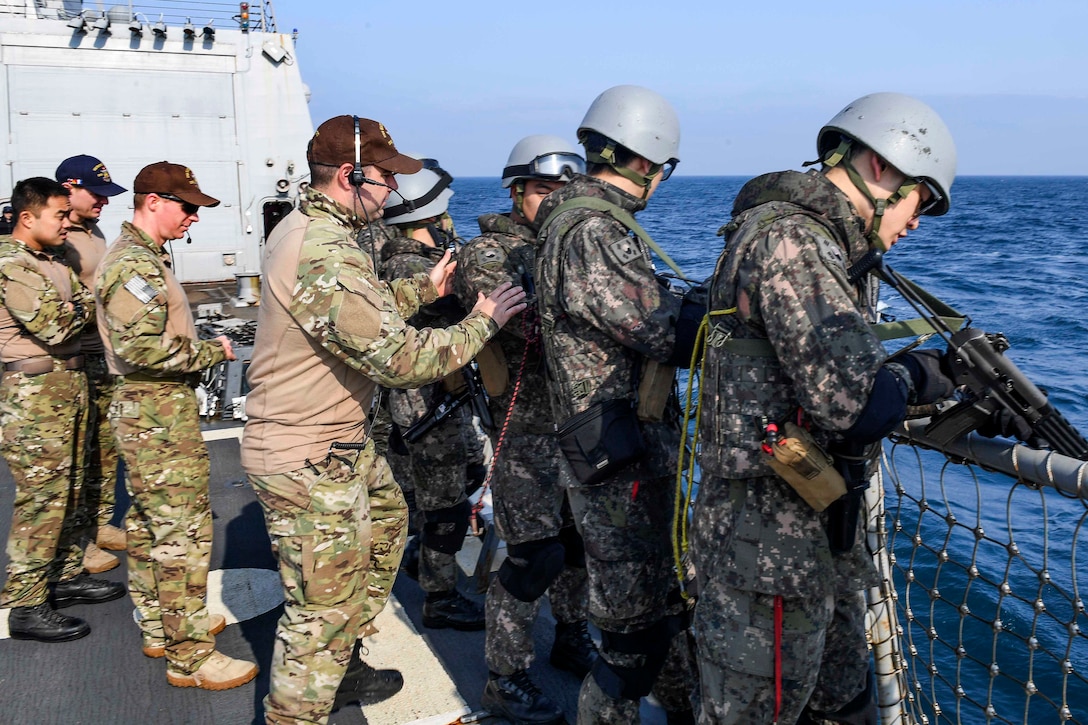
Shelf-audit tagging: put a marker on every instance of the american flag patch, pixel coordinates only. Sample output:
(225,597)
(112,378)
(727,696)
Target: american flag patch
(141,290)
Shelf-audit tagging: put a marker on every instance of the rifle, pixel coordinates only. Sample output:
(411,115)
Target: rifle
(978,362)
(473,394)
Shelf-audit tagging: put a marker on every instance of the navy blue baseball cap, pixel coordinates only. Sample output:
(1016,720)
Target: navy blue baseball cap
(88,173)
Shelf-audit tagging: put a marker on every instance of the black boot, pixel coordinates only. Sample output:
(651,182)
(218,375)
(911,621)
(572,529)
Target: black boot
(452,609)
(409,563)
(516,698)
(44,624)
(679,717)
(573,649)
(85,590)
(364,685)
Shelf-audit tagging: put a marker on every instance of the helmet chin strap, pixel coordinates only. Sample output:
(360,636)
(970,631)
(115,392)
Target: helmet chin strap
(838,158)
(519,198)
(607,156)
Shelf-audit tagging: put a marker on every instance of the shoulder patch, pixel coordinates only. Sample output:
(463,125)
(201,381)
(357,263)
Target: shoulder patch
(830,252)
(23,289)
(625,250)
(140,289)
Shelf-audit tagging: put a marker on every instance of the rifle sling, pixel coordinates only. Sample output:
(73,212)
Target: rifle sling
(622,216)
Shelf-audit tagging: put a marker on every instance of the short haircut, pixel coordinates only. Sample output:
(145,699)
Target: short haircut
(321,175)
(594,143)
(33,195)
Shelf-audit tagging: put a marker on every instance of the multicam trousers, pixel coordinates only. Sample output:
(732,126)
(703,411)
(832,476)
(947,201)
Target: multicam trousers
(43,418)
(338,529)
(169,524)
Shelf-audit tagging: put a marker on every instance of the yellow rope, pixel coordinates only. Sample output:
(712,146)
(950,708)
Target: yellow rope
(686,474)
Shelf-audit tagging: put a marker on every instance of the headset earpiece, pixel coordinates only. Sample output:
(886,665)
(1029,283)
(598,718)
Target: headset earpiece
(357,177)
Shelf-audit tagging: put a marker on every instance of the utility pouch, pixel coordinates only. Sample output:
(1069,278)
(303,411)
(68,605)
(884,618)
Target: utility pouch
(454,383)
(494,371)
(807,468)
(601,440)
(654,389)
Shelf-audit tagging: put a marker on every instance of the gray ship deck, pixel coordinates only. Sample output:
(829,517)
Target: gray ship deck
(103,679)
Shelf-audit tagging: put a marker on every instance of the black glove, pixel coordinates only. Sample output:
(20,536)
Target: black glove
(931,373)
(1005,424)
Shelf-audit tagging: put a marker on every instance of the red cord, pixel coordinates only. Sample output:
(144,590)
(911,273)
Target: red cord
(777,656)
(532,338)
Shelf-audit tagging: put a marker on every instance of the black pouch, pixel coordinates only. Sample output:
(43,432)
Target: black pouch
(601,440)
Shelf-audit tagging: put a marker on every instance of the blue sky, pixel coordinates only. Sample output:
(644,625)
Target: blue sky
(751,81)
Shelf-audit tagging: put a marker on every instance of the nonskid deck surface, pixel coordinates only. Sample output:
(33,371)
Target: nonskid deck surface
(104,679)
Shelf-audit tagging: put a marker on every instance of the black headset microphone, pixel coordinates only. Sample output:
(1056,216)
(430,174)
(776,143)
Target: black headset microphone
(357,177)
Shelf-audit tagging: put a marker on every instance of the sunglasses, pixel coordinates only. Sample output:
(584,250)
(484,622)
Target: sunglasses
(188,207)
(667,168)
(935,198)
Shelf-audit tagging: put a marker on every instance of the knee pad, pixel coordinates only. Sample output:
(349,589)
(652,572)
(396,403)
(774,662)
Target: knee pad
(444,529)
(530,568)
(573,546)
(652,643)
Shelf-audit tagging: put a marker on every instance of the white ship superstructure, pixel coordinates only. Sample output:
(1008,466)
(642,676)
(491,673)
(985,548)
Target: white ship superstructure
(211,85)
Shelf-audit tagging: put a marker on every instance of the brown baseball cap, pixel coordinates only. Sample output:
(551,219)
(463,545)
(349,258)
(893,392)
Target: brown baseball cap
(165,178)
(333,144)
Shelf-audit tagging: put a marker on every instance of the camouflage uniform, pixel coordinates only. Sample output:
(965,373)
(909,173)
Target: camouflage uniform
(147,326)
(529,503)
(333,510)
(84,249)
(754,538)
(604,314)
(373,236)
(438,460)
(43,419)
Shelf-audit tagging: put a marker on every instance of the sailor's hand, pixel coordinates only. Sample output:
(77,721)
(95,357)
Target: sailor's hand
(931,374)
(1003,423)
(504,302)
(227,348)
(442,275)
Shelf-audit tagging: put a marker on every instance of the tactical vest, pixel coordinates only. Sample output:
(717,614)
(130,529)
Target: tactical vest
(575,395)
(744,384)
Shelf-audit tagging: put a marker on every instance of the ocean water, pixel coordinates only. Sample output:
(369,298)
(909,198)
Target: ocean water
(1011,255)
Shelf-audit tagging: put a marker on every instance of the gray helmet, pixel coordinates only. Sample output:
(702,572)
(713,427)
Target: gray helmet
(542,157)
(423,195)
(637,118)
(903,131)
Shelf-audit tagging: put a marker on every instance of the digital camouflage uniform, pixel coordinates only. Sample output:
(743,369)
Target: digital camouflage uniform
(754,538)
(147,326)
(43,419)
(604,314)
(83,250)
(333,510)
(438,460)
(528,501)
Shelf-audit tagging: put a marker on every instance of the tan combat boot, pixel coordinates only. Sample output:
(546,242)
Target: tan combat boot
(218,672)
(112,538)
(155,647)
(97,561)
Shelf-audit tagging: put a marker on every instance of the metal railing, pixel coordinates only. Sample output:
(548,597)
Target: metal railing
(222,14)
(980,562)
